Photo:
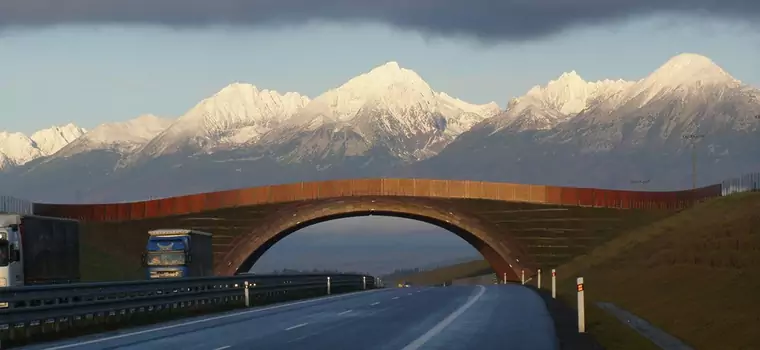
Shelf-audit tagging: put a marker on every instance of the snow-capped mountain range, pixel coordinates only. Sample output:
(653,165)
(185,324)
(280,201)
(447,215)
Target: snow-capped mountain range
(390,122)
(18,149)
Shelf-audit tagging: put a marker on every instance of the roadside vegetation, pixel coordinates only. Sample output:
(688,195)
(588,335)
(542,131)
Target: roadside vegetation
(694,274)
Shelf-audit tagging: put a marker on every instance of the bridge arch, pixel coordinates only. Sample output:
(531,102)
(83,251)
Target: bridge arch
(504,254)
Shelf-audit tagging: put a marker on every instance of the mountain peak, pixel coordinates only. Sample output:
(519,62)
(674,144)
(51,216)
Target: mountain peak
(690,68)
(52,139)
(570,76)
(390,65)
(389,72)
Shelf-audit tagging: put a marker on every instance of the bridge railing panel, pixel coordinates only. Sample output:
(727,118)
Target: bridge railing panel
(586,197)
(457,189)
(254,195)
(553,195)
(476,189)
(421,187)
(136,210)
(335,188)
(406,187)
(538,193)
(569,196)
(152,208)
(196,203)
(488,190)
(367,187)
(522,193)
(309,190)
(286,193)
(439,188)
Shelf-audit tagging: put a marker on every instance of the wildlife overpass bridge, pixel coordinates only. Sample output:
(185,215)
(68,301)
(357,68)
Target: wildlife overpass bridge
(513,226)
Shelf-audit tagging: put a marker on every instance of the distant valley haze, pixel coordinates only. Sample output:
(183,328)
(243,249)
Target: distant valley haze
(123,101)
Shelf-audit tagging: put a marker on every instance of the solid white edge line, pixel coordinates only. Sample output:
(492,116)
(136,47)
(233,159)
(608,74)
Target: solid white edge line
(375,303)
(417,343)
(344,312)
(213,318)
(222,347)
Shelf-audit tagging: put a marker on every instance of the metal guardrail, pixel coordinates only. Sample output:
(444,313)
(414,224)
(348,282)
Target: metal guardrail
(52,309)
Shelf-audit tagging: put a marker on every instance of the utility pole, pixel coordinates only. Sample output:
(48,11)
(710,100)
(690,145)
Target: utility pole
(693,138)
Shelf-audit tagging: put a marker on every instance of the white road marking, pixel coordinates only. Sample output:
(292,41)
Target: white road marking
(409,294)
(223,347)
(419,342)
(375,303)
(203,320)
(394,298)
(344,312)
(296,326)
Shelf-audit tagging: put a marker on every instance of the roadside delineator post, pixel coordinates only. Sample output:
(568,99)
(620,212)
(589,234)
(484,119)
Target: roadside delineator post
(581,307)
(328,285)
(505,278)
(554,284)
(522,276)
(364,282)
(247,295)
(539,278)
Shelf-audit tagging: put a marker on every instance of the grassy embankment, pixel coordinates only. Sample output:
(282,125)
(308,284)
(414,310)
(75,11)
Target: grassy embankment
(695,275)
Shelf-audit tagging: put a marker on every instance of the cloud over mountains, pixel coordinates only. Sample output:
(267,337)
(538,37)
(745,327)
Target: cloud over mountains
(485,19)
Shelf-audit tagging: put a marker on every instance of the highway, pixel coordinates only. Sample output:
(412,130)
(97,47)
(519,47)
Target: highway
(460,317)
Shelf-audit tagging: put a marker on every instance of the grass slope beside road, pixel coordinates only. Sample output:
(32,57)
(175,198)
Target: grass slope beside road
(695,275)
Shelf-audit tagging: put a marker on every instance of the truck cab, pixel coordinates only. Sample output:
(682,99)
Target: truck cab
(11,268)
(176,253)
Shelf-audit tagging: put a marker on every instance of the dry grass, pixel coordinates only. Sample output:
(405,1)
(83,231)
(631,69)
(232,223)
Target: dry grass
(694,274)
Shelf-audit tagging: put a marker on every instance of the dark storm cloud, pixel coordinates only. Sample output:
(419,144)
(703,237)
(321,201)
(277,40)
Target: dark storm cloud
(487,19)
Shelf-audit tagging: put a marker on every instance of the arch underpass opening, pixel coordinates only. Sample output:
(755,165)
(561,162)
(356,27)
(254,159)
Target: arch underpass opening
(376,245)
(264,240)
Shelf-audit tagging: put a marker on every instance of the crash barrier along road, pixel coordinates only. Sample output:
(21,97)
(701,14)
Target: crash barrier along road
(50,312)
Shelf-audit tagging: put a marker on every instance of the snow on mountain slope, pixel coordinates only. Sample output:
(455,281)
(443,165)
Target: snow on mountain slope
(461,116)
(237,115)
(543,107)
(389,107)
(688,94)
(121,137)
(18,149)
(51,140)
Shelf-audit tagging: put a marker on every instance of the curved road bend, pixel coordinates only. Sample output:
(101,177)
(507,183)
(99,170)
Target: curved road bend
(461,317)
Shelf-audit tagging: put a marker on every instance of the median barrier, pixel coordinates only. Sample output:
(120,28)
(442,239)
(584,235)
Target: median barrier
(51,312)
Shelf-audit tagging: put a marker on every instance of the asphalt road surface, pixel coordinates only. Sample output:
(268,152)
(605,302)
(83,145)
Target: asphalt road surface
(508,317)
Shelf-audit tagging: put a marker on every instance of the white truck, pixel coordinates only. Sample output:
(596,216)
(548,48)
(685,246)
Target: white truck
(37,250)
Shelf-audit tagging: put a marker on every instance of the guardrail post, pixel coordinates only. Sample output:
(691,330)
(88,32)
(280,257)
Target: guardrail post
(364,282)
(554,284)
(247,295)
(539,278)
(328,285)
(522,275)
(581,307)
(505,278)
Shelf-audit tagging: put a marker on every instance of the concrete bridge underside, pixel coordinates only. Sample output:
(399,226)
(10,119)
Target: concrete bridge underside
(512,234)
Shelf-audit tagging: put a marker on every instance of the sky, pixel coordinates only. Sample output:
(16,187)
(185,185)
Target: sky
(89,63)
(89,74)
